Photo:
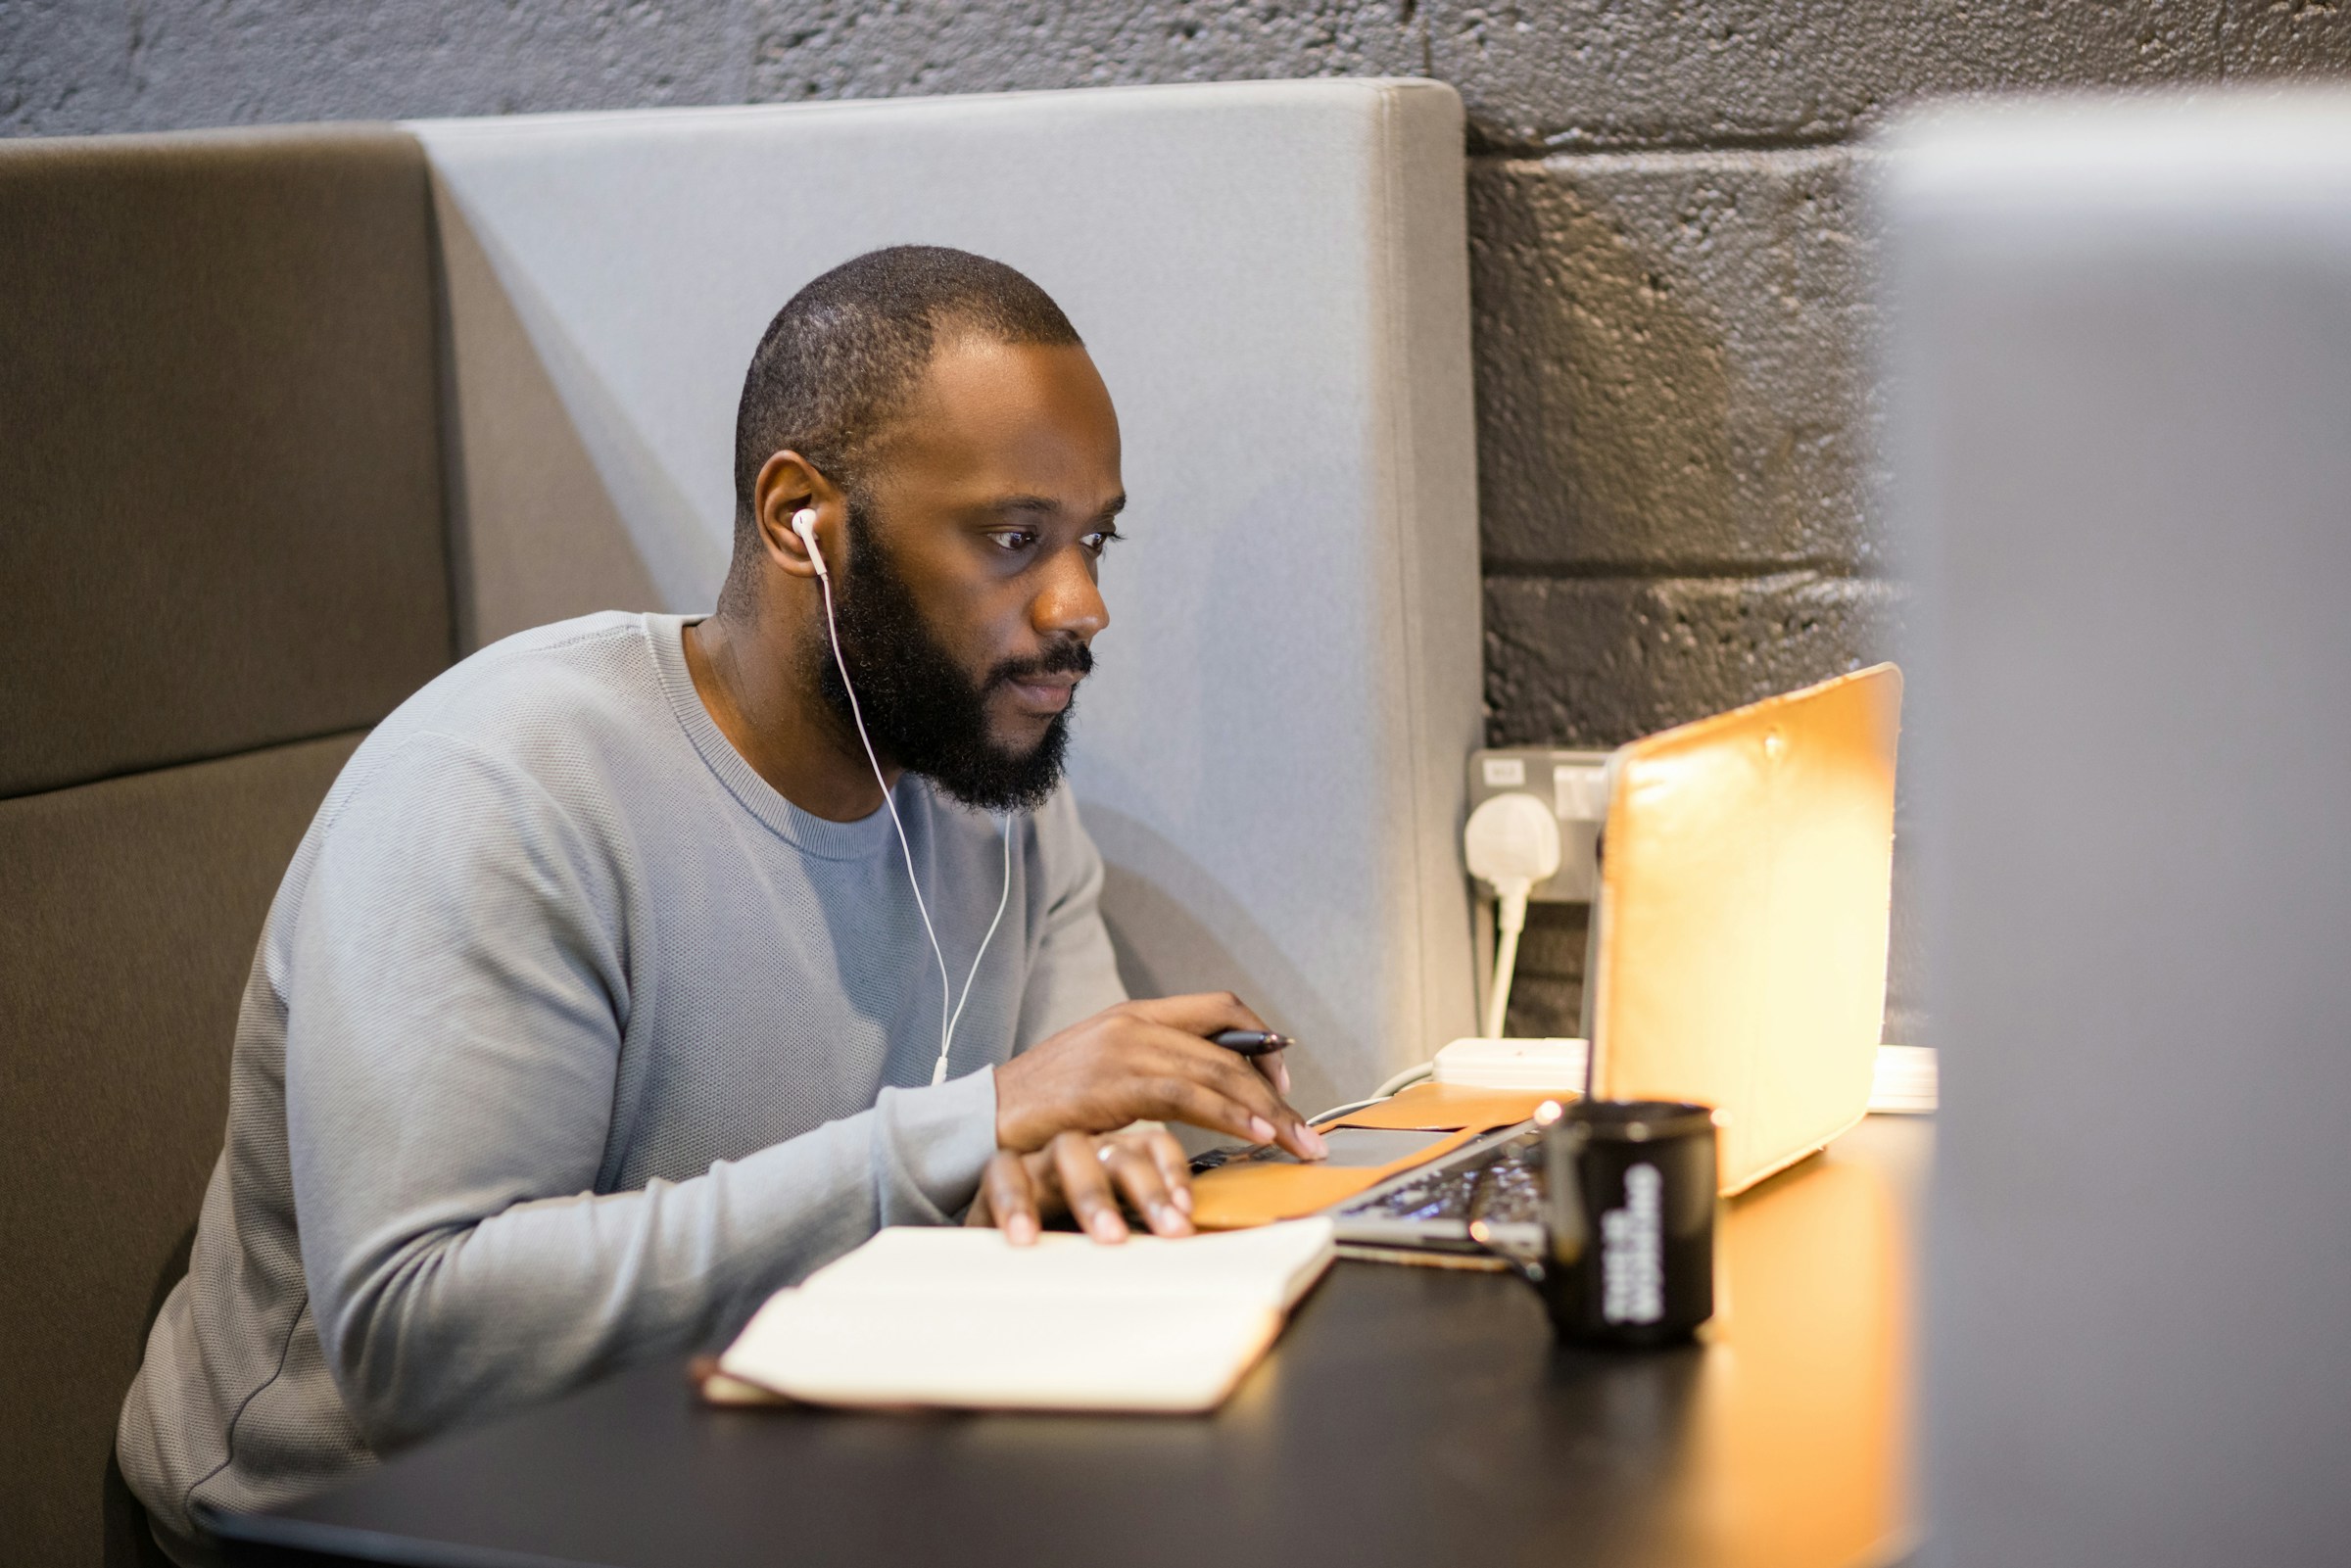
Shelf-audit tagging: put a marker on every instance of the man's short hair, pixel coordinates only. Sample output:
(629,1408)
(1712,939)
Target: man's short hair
(846,351)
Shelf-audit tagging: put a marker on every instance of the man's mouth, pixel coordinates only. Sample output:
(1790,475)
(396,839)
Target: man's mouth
(1043,684)
(1045,692)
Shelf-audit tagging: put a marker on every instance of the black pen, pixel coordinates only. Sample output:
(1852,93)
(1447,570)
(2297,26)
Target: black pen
(1251,1042)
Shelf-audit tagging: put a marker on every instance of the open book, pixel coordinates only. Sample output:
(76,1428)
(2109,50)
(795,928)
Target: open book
(958,1316)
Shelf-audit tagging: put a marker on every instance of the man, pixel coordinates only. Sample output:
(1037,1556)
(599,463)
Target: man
(600,998)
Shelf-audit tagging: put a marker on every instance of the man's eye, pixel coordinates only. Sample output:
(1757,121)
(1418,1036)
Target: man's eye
(1101,539)
(1013,539)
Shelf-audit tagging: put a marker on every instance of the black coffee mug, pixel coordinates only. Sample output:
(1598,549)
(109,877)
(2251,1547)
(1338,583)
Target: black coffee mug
(1627,1252)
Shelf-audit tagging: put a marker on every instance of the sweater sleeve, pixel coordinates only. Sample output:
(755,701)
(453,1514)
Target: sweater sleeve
(1072,971)
(456,988)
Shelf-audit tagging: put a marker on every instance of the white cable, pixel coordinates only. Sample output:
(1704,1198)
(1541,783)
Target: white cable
(1510,844)
(938,1074)
(1402,1080)
(1405,1079)
(947,996)
(1510,918)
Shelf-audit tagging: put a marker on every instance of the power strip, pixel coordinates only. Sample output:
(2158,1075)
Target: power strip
(1904,1084)
(1555,1063)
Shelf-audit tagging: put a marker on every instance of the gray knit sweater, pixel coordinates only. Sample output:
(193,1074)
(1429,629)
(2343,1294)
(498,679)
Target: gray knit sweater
(568,1040)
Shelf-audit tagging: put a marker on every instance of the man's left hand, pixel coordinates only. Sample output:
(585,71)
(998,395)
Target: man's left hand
(1084,1175)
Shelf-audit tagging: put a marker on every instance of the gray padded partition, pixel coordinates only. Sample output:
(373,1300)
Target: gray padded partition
(221,517)
(128,915)
(2125,379)
(1272,278)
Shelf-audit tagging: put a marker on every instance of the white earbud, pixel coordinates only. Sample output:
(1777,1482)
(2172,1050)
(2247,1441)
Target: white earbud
(804,523)
(951,1007)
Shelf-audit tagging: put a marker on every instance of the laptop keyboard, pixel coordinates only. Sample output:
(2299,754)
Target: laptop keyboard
(1511,1174)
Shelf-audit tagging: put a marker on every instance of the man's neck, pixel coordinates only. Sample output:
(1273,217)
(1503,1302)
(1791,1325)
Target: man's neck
(754,690)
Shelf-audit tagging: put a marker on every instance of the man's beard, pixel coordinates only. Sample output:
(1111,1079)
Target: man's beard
(922,710)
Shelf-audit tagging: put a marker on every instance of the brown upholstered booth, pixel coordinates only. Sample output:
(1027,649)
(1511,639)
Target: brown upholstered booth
(222,535)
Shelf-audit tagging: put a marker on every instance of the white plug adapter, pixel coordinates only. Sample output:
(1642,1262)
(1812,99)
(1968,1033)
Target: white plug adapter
(1512,843)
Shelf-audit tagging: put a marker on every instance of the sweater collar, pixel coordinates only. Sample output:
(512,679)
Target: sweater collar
(870,835)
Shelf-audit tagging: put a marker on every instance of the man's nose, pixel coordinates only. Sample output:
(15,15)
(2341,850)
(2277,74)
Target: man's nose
(1069,603)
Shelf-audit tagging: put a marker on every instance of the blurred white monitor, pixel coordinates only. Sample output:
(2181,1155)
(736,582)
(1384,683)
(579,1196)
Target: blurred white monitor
(2122,377)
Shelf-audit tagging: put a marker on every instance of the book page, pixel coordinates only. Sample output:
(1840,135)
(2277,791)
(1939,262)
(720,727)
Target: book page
(1269,1267)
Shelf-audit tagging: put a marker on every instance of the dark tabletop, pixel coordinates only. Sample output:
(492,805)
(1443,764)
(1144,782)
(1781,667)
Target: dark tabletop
(1407,1415)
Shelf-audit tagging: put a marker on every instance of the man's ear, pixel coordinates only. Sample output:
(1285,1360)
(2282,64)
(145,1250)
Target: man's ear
(788,482)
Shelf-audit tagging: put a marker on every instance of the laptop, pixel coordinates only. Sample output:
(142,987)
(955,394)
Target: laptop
(1737,957)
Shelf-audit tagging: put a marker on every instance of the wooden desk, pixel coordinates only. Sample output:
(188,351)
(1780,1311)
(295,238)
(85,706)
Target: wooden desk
(1408,1416)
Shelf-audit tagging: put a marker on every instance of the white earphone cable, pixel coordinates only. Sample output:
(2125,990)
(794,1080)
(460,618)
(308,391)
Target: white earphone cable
(950,1010)
(1004,897)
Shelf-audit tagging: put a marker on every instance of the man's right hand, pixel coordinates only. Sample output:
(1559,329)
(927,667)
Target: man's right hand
(1149,1061)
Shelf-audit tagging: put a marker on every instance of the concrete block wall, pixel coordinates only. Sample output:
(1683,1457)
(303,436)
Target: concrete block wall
(1676,431)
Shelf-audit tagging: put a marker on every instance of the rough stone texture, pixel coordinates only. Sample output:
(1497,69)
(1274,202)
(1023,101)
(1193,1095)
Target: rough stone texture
(240,61)
(1557,75)
(1547,993)
(1672,355)
(64,65)
(846,49)
(1595,73)
(2285,40)
(1600,661)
